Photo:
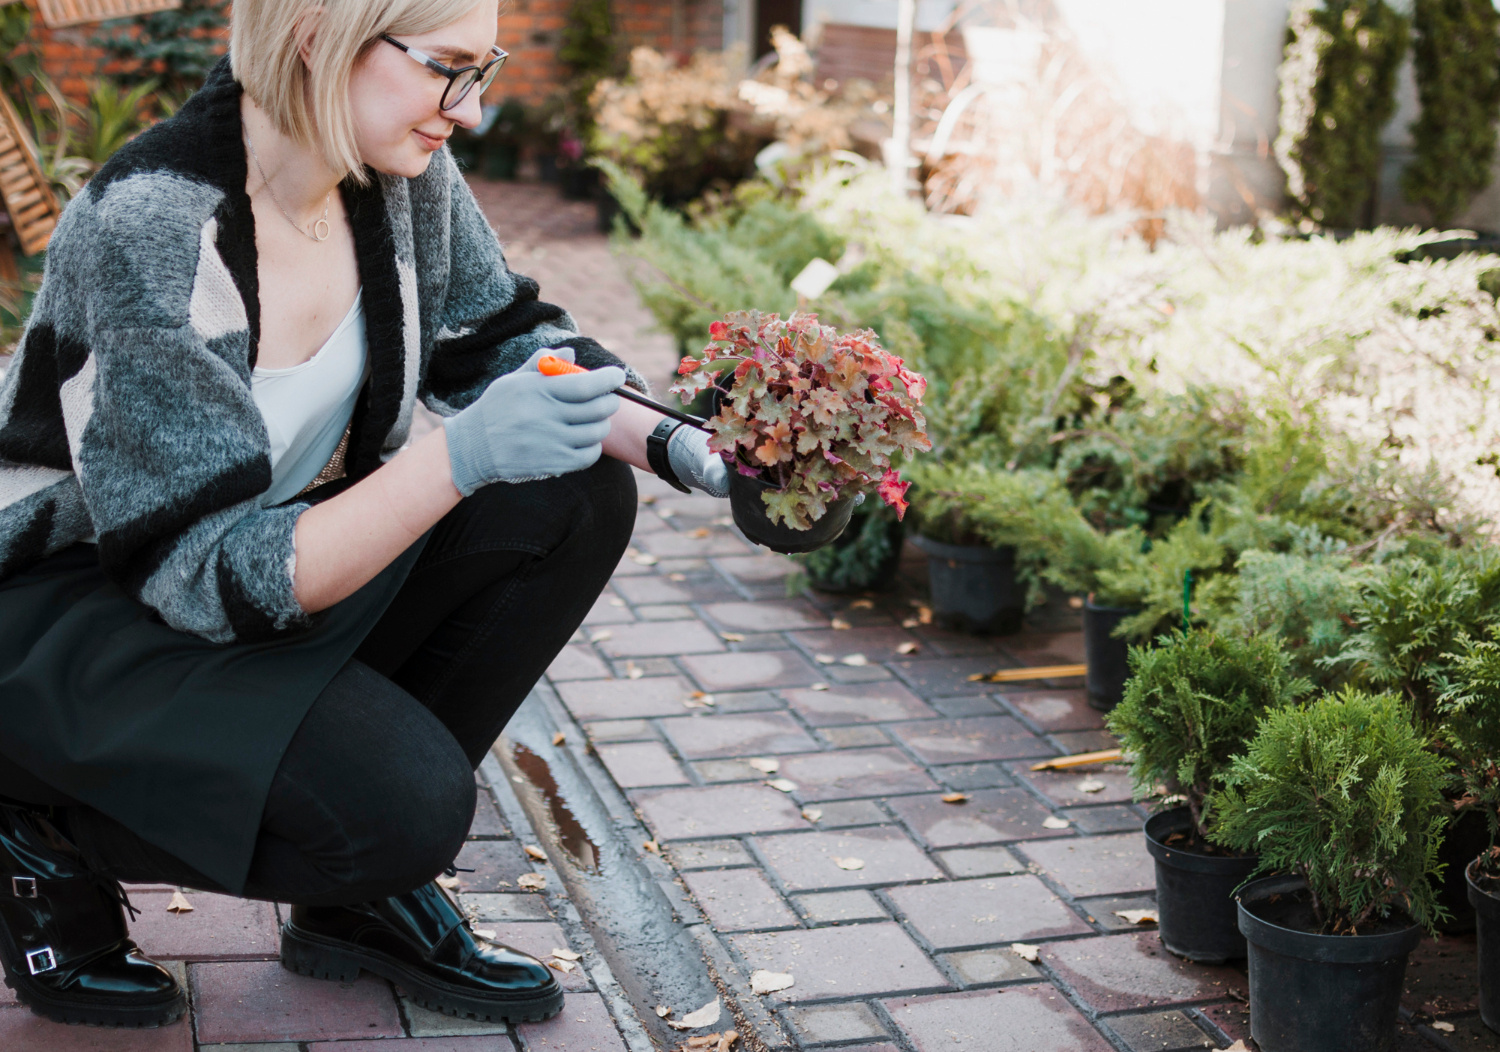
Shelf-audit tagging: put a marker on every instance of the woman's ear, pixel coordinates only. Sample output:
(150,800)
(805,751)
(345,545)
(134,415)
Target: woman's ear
(307,32)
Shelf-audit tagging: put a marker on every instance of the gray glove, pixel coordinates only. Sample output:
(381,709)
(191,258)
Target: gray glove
(528,426)
(695,464)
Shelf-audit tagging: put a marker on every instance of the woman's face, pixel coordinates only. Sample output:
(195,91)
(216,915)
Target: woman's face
(397,123)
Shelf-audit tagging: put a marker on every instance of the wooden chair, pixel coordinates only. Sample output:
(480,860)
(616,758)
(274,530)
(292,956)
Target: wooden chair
(59,13)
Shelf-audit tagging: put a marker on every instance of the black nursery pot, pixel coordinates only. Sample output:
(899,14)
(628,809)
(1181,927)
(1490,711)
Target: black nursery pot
(1487,908)
(1106,656)
(974,588)
(750,516)
(1319,993)
(1467,835)
(1197,916)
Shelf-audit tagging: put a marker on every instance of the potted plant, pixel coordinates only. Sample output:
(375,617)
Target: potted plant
(1190,706)
(811,420)
(1345,797)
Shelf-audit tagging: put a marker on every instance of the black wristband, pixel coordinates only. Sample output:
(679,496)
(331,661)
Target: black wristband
(656,453)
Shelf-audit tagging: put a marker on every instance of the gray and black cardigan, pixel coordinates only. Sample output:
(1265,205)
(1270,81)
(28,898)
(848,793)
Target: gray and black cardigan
(127,414)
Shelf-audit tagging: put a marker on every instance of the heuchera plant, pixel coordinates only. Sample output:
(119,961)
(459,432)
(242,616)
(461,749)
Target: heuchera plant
(815,414)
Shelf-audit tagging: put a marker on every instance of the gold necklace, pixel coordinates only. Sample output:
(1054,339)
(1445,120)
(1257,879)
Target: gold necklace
(321,229)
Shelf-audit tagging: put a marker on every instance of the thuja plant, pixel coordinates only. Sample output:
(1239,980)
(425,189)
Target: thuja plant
(1347,794)
(1338,90)
(815,414)
(1193,703)
(1469,733)
(1457,62)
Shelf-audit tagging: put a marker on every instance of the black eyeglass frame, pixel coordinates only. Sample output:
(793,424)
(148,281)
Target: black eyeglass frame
(484,74)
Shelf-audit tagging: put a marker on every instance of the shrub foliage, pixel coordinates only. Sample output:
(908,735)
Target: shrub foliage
(1470,733)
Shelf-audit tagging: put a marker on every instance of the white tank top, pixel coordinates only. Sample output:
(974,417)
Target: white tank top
(307,407)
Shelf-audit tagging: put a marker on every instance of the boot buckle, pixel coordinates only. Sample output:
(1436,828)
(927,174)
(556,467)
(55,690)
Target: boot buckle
(43,960)
(23,887)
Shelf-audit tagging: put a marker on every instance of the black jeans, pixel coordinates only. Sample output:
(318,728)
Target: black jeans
(375,793)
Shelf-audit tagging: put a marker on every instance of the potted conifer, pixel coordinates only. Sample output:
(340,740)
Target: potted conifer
(1345,797)
(811,419)
(1191,704)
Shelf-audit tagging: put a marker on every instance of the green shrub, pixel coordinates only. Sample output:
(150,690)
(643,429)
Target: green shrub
(175,48)
(1347,794)
(1305,600)
(1457,61)
(853,562)
(1191,704)
(1469,709)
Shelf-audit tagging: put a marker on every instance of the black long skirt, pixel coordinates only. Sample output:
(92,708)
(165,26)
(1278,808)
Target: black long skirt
(173,736)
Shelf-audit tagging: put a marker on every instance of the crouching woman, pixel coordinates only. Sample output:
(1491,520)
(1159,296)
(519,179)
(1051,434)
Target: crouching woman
(254,637)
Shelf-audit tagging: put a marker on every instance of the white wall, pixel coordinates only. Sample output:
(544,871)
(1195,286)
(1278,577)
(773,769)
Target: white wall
(931,14)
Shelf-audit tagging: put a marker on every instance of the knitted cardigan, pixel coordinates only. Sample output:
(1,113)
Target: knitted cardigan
(127,416)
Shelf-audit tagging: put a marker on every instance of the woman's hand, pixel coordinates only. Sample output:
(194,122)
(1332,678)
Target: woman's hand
(695,464)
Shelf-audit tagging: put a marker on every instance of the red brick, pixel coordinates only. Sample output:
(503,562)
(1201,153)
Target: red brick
(262,1001)
(1115,973)
(21,1031)
(987,816)
(854,773)
(1065,788)
(739,900)
(624,699)
(865,703)
(700,737)
(1057,710)
(805,861)
(969,739)
(743,671)
(854,961)
(496,865)
(634,765)
(1103,865)
(986,911)
(219,928)
(582,1026)
(1019,1019)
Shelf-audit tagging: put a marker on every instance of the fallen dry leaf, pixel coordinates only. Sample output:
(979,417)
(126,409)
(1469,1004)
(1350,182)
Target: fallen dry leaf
(1137,916)
(764,764)
(854,660)
(849,863)
(732,637)
(679,577)
(910,622)
(563,966)
(703,1041)
(812,814)
(708,1015)
(617,601)
(924,615)
(1076,602)
(818,686)
(647,500)
(532,881)
(908,648)
(633,671)
(839,623)
(601,636)
(1090,785)
(662,1011)
(955,798)
(451,883)
(667,513)
(862,604)
(566,955)
(824,659)
(1446,1028)
(179,903)
(764,982)
(652,846)
(535,852)
(724,520)
(1238,1046)
(726,1039)
(1025,952)
(698,534)
(645,560)
(786,785)
(485,933)
(559,738)
(1053,822)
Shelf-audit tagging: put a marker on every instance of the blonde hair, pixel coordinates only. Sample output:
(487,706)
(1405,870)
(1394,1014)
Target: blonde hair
(312,105)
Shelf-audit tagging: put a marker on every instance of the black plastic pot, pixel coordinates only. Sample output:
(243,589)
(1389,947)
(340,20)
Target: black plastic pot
(1487,908)
(974,588)
(750,516)
(1196,913)
(1319,993)
(1106,655)
(1467,835)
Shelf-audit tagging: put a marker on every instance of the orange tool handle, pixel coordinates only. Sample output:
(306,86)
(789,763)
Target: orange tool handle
(549,365)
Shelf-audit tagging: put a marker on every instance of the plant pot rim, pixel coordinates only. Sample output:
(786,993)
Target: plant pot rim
(1100,608)
(1486,903)
(757,526)
(966,553)
(1159,825)
(1330,949)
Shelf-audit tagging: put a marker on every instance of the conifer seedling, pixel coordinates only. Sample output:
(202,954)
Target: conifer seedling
(1469,732)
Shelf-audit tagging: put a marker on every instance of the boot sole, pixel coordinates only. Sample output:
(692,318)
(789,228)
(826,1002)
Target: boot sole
(307,954)
(80,1013)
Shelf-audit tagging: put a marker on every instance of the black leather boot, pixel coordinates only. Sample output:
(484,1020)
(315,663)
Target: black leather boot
(421,941)
(63,940)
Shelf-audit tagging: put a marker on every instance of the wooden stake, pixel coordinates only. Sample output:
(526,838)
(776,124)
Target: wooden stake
(1020,675)
(1082,759)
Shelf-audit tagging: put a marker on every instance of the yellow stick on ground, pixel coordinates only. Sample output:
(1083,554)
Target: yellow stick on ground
(1014,675)
(1082,759)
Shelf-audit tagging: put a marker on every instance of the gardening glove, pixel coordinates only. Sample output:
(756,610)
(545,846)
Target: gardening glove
(695,464)
(528,426)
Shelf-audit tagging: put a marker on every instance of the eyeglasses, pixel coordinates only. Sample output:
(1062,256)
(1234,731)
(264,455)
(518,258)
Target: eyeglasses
(460,81)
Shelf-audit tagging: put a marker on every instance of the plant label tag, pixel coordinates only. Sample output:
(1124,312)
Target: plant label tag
(815,278)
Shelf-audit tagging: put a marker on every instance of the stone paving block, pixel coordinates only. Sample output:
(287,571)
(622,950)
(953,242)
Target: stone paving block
(653,589)
(762,733)
(505,906)
(262,1001)
(974,776)
(423,1022)
(1056,710)
(826,1024)
(982,967)
(850,675)
(837,814)
(577,661)
(1045,648)
(709,854)
(974,706)
(965,913)
(620,731)
(746,701)
(1074,742)
(1116,973)
(971,739)
(805,862)
(21,1031)
(664,612)
(487,821)
(948,676)
(851,961)
(840,907)
(1112,818)
(876,644)
(582,1026)
(1231,1017)
(453,1043)
(608,609)
(1159,1032)
(618,699)
(747,670)
(634,765)
(661,638)
(739,900)
(941,642)
(1033,1018)
(727,810)
(986,816)
(980,862)
(633,668)
(219,928)
(854,772)
(766,617)
(496,865)
(1102,911)
(1105,865)
(539,939)
(260,1046)
(854,737)
(1065,788)
(668,543)
(756,567)
(858,704)
(1442,977)
(727,771)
